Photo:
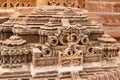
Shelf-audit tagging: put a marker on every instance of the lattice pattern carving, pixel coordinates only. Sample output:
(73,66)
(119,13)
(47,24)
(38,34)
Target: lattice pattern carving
(53,2)
(67,3)
(3,3)
(17,3)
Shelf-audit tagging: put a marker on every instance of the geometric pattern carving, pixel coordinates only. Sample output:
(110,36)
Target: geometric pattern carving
(67,3)
(31,3)
(17,3)
(53,2)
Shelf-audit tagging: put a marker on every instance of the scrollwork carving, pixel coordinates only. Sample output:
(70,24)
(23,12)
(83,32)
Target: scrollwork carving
(85,39)
(66,38)
(47,52)
(90,50)
(53,40)
(69,35)
(73,50)
(71,62)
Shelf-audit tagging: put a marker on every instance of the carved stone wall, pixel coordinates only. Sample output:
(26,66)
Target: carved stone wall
(17,3)
(31,3)
(68,3)
(109,11)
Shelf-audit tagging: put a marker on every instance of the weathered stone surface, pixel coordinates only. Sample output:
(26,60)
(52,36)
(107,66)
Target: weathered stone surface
(62,44)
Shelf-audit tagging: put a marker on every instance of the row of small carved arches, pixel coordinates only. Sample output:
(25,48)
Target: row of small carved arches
(15,5)
(71,3)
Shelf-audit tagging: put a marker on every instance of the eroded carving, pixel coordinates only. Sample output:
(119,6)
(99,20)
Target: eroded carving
(62,44)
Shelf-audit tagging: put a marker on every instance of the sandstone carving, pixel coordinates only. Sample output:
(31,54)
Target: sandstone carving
(56,43)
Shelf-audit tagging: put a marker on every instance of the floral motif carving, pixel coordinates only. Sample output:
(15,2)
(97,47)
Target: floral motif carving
(68,56)
(69,3)
(53,2)
(70,34)
(16,3)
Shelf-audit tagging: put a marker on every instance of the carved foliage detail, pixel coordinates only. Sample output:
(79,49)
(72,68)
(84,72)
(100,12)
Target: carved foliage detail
(72,56)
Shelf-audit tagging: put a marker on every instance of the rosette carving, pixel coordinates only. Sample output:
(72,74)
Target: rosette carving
(68,35)
(53,40)
(47,52)
(66,38)
(85,39)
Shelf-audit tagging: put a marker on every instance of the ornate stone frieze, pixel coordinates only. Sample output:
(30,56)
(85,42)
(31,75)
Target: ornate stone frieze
(68,3)
(17,3)
(62,44)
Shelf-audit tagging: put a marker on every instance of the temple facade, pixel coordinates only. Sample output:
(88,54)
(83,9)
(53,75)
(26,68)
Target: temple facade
(56,43)
(107,11)
(59,39)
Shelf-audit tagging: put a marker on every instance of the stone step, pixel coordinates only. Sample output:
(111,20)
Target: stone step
(65,75)
(49,75)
